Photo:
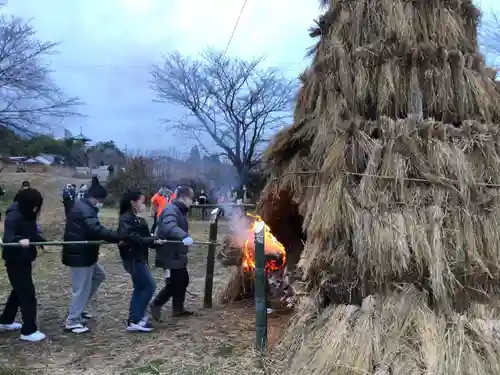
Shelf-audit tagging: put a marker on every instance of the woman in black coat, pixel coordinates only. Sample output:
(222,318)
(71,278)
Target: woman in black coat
(21,226)
(135,258)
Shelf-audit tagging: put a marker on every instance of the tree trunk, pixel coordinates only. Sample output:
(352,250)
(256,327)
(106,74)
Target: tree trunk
(243,174)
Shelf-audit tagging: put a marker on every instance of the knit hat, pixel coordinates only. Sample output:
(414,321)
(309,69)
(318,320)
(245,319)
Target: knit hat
(28,200)
(96,190)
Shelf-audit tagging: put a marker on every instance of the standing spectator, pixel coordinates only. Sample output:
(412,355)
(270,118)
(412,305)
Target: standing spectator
(173,257)
(135,259)
(82,224)
(24,186)
(111,170)
(234,195)
(221,199)
(20,226)
(68,198)
(202,200)
(158,204)
(82,191)
(245,195)
(202,197)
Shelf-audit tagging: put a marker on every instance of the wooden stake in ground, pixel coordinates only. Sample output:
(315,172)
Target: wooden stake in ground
(260,288)
(209,275)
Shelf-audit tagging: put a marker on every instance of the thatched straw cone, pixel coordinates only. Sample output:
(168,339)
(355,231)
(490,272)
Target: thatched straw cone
(389,199)
(394,164)
(396,334)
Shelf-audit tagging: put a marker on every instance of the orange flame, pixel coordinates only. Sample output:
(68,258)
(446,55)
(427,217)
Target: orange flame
(271,246)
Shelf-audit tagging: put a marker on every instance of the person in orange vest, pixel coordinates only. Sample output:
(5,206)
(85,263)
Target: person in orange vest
(158,203)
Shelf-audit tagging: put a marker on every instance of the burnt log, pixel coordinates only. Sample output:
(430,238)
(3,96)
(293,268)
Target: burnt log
(230,253)
(240,286)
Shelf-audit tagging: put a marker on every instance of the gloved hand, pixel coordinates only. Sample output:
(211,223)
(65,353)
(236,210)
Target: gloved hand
(188,241)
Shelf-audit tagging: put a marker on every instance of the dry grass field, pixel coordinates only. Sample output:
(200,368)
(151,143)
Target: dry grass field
(214,341)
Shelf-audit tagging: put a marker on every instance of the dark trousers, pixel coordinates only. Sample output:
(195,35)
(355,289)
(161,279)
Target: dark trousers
(175,288)
(144,288)
(22,296)
(155,224)
(67,208)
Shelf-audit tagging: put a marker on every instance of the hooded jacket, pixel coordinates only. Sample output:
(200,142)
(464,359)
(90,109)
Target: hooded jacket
(18,227)
(173,225)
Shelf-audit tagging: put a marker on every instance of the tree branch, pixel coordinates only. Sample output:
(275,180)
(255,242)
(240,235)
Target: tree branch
(29,99)
(229,101)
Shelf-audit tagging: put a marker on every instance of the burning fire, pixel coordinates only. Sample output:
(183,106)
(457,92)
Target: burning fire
(272,247)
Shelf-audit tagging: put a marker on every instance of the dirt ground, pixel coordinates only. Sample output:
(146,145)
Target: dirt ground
(214,341)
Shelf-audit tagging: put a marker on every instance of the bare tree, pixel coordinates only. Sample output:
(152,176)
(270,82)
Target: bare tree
(232,102)
(29,99)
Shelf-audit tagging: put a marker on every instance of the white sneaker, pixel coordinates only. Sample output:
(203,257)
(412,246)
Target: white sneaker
(35,336)
(11,327)
(76,328)
(142,326)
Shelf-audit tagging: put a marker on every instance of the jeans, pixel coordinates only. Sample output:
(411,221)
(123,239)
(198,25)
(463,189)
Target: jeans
(144,288)
(175,288)
(21,297)
(85,282)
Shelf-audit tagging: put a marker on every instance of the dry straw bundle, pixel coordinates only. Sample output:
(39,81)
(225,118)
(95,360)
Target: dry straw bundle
(392,335)
(393,162)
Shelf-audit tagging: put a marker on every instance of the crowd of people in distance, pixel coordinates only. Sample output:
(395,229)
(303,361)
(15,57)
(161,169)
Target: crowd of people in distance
(71,194)
(133,238)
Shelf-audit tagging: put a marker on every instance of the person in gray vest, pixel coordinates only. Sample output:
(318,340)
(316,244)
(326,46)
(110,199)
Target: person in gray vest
(173,257)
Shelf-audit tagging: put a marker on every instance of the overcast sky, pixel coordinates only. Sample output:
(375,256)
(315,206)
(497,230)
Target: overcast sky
(108,46)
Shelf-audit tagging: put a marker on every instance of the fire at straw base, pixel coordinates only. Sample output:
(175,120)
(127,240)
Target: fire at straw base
(238,251)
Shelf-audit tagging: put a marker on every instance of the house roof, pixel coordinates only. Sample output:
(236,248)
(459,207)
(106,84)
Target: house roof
(48,157)
(81,137)
(38,160)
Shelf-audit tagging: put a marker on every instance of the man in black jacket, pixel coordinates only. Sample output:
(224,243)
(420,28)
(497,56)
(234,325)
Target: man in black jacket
(24,186)
(83,224)
(20,226)
(173,257)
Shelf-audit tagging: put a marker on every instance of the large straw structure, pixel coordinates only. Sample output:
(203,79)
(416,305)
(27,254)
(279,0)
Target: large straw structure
(394,164)
(386,195)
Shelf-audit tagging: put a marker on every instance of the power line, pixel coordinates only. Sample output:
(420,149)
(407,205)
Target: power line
(91,66)
(235,26)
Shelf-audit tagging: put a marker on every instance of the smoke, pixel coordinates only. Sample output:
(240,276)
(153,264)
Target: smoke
(239,224)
